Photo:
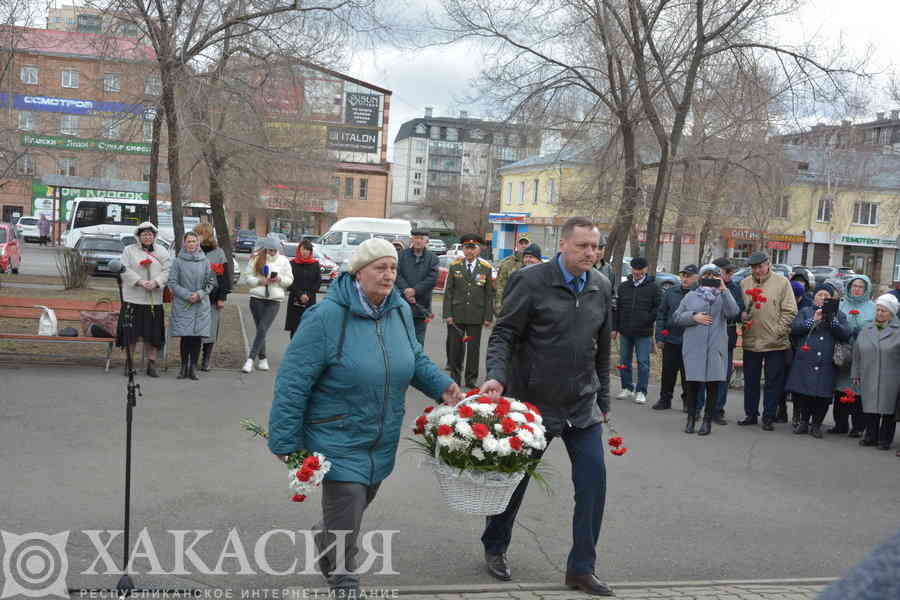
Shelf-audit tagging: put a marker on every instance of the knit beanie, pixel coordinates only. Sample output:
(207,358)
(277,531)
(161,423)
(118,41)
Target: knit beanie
(798,288)
(532,250)
(890,302)
(369,251)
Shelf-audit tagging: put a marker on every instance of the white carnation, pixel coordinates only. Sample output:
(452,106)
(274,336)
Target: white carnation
(439,412)
(447,419)
(485,410)
(477,453)
(517,406)
(490,443)
(503,447)
(518,417)
(464,429)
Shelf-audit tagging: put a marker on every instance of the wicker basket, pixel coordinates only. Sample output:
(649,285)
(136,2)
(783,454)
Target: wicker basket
(474,492)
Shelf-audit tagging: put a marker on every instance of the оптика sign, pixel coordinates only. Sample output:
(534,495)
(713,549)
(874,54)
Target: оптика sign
(72,143)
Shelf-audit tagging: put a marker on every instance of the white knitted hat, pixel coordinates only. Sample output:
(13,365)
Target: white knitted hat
(369,251)
(890,302)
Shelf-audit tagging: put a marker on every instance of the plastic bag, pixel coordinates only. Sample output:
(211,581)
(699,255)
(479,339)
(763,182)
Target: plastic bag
(47,325)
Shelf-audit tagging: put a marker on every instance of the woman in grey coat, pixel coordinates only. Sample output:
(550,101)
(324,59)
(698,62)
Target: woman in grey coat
(191,280)
(704,315)
(876,355)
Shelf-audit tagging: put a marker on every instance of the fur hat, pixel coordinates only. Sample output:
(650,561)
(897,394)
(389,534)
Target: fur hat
(890,302)
(369,251)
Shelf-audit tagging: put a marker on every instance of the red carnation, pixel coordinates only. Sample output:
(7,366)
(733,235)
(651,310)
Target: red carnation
(502,409)
(465,411)
(312,463)
(480,430)
(218,268)
(508,425)
(515,443)
(615,442)
(298,498)
(763,299)
(848,398)
(526,427)
(444,430)
(305,474)
(750,292)
(428,409)
(621,367)
(485,400)
(757,306)
(474,392)
(620,451)
(146,262)
(533,408)
(664,332)
(466,339)
(805,347)
(748,325)
(421,422)
(854,312)
(529,417)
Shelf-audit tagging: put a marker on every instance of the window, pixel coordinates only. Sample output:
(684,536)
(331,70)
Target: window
(551,191)
(826,207)
(348,187)
(68,124)
(452,134)
(145,172)
(420,160)
(148,131)
(417,191)
(251,222)
(29,75)
(884,135)
(435,132)
(476,134)
(355,238)
(25,165)
(363,189)
(112,128)
(509,198)
(780,210)
(27,121)
(417,176)
(112,82)
(865,213)
(336,182)
(513,139)
(498,139)
(67,166)
(57,19)
(521,192)
(535,194)
(70,20)
(70,78)
(332,238)
(420,129)
(153,86)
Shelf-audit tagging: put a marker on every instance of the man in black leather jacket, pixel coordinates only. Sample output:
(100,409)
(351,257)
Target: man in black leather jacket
(550,347)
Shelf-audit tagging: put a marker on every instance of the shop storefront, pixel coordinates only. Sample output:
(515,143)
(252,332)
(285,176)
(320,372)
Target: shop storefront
(783,248)
(873,256)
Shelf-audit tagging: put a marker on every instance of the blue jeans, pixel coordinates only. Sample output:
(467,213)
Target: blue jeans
(585,448)
(640,346)
(775,369)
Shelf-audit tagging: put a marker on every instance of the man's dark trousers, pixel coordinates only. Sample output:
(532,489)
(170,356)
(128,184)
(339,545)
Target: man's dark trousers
(753,369)
(672,367)
(420,326)
(585,448)
(458,350)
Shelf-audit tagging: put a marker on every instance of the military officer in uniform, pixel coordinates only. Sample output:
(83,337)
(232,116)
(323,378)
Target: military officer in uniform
(507,267)
(468,306)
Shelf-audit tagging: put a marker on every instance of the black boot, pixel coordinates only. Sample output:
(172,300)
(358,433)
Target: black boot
(706,426)
(801,428)
(781,415)
(192,368)
(151,369)
(207,354)
(795,413)
(183,373)
(662,405)
(815,430)
(689,426)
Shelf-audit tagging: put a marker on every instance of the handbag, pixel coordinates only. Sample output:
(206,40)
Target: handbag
(843,354)
(107,319)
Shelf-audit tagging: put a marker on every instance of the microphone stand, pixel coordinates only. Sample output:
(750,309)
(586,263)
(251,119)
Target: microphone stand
(125,587)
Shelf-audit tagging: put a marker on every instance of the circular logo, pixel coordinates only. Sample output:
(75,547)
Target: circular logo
(34,565)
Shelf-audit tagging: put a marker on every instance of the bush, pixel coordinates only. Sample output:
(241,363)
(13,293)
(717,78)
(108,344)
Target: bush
(72,268)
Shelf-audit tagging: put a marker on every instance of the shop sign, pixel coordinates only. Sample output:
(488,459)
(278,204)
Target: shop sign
(510,217)
(778,246)
(860,240)
(786,237)
(84,144)
(39,190)
(353,139)
(667,237)
(73,106)
(361,109)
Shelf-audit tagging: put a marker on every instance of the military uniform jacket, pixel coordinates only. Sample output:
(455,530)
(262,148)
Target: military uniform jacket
(469,298)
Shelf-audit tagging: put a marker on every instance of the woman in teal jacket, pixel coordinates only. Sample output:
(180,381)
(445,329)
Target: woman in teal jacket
(858,307)
(341,391)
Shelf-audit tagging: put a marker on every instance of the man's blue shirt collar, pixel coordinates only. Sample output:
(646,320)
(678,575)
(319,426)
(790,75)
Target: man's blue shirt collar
(568,277)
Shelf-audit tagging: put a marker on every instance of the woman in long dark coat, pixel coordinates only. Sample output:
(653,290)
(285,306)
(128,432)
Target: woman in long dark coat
(307,279)
(811,381)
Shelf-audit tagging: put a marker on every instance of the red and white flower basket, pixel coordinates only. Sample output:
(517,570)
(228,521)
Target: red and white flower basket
(481,449)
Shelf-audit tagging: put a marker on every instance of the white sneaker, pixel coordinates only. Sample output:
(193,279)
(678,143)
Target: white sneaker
(263,364)
(625,395)
(248,366)
(640,398)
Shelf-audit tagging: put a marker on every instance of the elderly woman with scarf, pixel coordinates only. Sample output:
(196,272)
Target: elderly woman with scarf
(219,263)
(876,355)
(704,314)
(341,391)
(858,307)
(146,272)
(811,381)
(307,279)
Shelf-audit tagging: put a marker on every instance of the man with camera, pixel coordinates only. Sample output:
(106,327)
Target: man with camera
(767,320)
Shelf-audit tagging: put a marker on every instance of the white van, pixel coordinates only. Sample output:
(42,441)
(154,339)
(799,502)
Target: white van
(345,235)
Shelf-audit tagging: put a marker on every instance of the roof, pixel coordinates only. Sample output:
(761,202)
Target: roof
(569,154)
(98,183)
(468,126)
(854,168)
(71,43)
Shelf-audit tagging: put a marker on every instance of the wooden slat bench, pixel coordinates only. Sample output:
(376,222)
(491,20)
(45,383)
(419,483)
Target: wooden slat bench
(14,307)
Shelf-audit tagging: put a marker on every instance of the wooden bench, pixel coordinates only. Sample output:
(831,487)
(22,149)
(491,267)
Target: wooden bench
(14,307)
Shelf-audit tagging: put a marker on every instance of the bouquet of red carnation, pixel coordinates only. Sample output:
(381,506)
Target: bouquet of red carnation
(218,268)
(465,338)
(615,441)
(757,299)
(848,397)
(306,470)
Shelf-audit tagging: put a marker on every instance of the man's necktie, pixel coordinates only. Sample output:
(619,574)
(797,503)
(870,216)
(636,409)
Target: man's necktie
(573,283)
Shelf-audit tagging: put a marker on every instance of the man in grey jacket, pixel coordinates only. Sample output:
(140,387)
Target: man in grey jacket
(550,347)
(417,274)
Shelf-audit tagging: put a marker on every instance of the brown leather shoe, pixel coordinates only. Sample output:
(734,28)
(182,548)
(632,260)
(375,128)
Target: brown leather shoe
(589,584)
(497,567)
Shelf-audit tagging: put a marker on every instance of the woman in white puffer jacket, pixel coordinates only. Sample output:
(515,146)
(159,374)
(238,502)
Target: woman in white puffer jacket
(269,275)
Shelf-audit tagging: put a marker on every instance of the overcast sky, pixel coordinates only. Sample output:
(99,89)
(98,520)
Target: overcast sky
(441,77)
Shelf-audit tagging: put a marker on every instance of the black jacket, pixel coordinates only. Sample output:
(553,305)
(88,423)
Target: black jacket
(671,298)
(636,307)
(551,348)
(735,289)
(419,273)
(307,279)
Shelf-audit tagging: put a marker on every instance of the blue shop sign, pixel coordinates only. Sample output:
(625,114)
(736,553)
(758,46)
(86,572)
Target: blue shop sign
(72,106)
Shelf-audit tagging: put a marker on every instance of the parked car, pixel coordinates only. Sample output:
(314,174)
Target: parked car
(27,227)
(438,246)
(328,268)
(245,240)
(823,273)
(663,280)
(444,267)
(10,249)
(455,251)
(98,250)
(282,238)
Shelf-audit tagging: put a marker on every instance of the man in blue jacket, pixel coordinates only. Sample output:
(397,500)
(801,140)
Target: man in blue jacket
(417,274)
(668,338)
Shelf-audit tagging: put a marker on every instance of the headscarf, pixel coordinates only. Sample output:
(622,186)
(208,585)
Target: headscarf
(798,288)
(300,260)
(861,307)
